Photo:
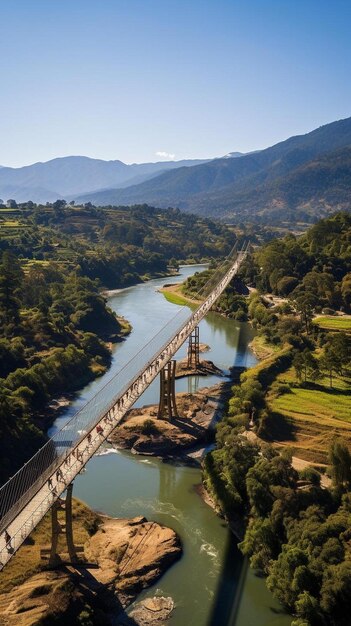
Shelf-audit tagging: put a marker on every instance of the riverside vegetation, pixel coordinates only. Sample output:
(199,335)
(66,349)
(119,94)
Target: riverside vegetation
(54,322)
(294,402)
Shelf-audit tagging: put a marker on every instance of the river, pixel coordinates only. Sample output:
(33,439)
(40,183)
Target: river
(210,584)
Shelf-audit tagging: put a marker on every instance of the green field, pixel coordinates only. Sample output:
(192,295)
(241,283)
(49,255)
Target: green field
(308,416)
(330,322)
(262,348)
(174,298)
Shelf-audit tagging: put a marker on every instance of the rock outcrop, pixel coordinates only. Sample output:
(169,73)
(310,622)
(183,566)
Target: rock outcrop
(131,555)
(123,557)
(150,612)
(141,431)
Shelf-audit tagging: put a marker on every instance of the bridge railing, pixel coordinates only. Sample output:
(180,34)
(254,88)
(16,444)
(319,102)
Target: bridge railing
(21,488)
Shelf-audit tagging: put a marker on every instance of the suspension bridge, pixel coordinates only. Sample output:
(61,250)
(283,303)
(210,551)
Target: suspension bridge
(38,486)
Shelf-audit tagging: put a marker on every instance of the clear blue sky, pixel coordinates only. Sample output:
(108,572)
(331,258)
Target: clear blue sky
(125,79)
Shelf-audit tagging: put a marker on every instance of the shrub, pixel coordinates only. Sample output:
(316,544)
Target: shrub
(281,388)
(311,474)
(149,427)
(91,525)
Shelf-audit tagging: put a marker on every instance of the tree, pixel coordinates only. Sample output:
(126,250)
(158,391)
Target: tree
(11,277)
(305,365)
(346,292)
(336,354)
(340,464)
(327,363)
(339,345)
(305,303)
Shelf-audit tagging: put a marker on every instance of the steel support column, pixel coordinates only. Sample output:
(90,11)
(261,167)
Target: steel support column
(57,528)
(194,349)
(167,407)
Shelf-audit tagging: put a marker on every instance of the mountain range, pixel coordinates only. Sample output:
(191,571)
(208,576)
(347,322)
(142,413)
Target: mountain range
(69,176)
(305,176)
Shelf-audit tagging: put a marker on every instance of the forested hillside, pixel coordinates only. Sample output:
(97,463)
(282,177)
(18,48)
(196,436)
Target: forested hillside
(117,245)
(313,269)
(304,177)
(52,324)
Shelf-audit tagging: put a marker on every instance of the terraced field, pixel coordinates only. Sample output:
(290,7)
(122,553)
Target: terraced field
(331,322)
(308,417)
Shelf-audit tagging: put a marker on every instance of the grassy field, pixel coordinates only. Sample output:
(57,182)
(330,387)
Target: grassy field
(27,561)
(308,416)
(174,294)
(263,348)
(174,298)
(331,322)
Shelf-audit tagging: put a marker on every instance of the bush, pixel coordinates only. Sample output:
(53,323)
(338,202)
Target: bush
(311,474)
(240,316)
(91,525)
(149,427)
(241,419)
(281,388)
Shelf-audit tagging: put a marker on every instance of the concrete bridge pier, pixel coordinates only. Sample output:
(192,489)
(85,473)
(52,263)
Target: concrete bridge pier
(167,407)
(57,528)
(194,349)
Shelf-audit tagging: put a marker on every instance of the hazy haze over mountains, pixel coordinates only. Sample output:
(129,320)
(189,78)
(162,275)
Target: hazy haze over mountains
(66,177)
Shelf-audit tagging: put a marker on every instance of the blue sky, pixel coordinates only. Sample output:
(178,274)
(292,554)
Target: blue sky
(126,79)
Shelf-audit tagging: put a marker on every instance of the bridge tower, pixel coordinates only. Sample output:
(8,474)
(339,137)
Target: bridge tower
(194,349)
(167,407)
(57,528)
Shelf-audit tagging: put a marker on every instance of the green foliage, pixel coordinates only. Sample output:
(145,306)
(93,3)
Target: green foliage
(225,469)
(311,475)
(313,270)
(300,540)
(305,365)
(340,464)
(149,427)
(232,302)
(49,320)
(117,245)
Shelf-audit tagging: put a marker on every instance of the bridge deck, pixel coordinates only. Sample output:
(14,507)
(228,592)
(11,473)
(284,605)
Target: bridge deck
(27,497)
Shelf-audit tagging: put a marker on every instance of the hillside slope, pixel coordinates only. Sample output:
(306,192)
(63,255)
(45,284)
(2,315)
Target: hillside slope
(234,186)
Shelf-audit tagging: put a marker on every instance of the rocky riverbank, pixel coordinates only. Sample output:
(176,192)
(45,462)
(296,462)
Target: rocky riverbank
(204,368)
(121,559)
(143,433)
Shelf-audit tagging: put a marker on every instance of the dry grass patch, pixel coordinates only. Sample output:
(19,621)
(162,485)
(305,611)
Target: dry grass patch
(27,560)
